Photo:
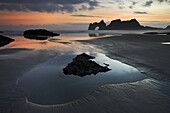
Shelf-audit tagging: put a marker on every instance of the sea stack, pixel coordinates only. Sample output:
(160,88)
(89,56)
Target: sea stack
(5,40)
(101,25)
(168,27)
(117,24)
(39,34)
(132,24)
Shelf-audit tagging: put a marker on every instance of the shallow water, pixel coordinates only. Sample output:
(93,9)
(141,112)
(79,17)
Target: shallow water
(123,89)
(47,84)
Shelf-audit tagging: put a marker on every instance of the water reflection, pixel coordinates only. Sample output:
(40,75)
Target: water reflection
(96,34)
(165,43)
(48,85)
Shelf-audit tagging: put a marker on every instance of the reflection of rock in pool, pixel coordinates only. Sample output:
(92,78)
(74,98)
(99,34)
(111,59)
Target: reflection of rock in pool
(5,40)
(96,35)
(82,65)
(157,33)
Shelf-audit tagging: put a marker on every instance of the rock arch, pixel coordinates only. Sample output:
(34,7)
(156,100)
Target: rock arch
(101,25)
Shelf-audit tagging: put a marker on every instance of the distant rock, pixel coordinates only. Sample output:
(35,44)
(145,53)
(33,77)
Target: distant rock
(1,32)
(5,40)
(39,34)
(82,66)
(101,25)
(132,24)
(168,27)
(121,25)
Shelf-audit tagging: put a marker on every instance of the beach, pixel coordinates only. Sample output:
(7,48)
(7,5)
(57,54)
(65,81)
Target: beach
(31,74)
(148,53)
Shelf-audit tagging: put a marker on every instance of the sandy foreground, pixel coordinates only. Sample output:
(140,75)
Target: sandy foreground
(13,65)
(144,52)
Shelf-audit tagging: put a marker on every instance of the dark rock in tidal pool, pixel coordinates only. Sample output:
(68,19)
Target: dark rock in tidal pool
(5,40)
(39,34)
(82,66)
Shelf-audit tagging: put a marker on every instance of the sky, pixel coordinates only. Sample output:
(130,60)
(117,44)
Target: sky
(77,14)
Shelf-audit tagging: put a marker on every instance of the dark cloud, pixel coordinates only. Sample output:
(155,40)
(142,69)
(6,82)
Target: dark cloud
(139,12)
(121,7)
(131,7)
(86,16)
(133,4)
(148,3)
(48,5)
(161,1)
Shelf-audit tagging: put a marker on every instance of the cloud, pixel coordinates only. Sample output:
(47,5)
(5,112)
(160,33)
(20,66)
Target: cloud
(86,16)
(121,7)
(148,3)
(132,5)
(160,0)
(139,12)
(67,26)
(164,1)
(168,1)
(48,5)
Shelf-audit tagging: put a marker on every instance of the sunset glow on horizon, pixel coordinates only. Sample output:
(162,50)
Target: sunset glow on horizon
(78,13)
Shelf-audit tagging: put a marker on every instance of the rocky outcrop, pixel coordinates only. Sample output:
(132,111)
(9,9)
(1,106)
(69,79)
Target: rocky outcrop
(82,66)
(1,32)
(5,40)
(123,25)
(132,24)
(39,34)
(101,25)
(168,27)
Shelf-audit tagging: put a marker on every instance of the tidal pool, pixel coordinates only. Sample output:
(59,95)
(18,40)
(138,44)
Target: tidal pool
(46,84)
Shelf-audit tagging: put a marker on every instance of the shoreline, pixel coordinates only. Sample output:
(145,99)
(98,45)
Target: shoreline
(144,52)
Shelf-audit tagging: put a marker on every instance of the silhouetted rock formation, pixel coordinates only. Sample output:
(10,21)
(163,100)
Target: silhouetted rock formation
(119,25)
(82,66)
(168,27)
(132,24)
(101,25)
(5,40)
(1,32)
(39,34)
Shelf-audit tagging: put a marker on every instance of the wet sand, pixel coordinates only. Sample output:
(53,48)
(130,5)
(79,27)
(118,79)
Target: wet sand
(14,63)
(144,52)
